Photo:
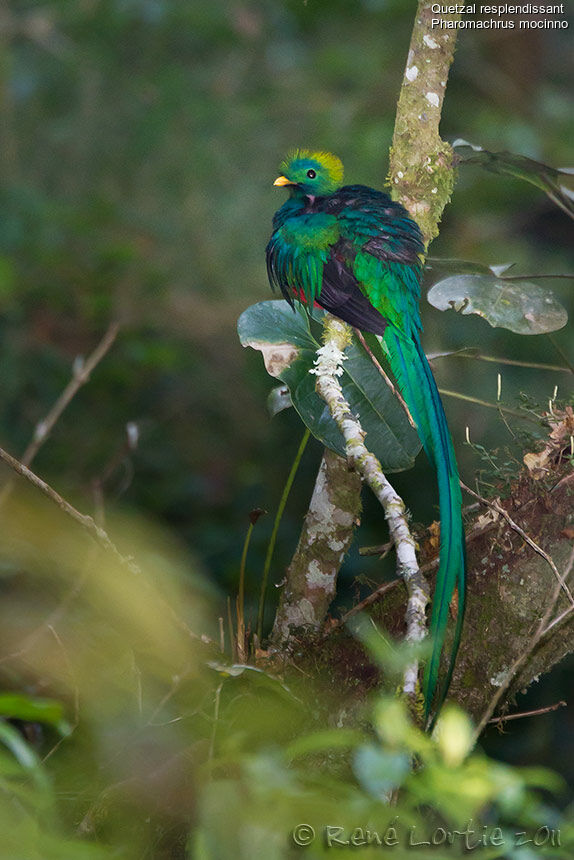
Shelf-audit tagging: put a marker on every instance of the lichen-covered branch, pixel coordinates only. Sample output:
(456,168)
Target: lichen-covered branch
(328,368)
(326,535)
(421,169)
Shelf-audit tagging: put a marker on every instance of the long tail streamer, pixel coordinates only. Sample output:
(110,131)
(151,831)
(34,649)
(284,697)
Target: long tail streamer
(412,371)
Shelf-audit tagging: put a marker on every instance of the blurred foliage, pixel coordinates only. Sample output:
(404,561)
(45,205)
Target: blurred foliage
(139,141)
(170,750)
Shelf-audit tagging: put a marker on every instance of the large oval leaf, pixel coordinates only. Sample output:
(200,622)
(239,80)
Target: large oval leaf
(289,346)
(519,306)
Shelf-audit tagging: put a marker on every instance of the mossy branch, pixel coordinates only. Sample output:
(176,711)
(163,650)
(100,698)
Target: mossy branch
(325,538)
(421,171)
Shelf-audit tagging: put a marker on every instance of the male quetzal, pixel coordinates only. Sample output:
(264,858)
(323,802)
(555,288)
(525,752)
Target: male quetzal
(358,255)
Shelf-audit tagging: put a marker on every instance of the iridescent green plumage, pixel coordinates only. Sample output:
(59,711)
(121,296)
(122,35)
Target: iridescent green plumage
(358,254)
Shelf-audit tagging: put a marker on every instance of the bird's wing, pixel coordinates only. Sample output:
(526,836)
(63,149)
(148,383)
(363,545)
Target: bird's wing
(362,223)
(337,290)
(342,296)
(378,249)
(374,224)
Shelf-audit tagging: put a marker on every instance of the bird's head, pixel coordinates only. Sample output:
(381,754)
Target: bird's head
(311,173)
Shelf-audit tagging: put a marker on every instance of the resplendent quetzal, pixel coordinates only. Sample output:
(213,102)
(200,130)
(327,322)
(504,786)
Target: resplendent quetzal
(358,255)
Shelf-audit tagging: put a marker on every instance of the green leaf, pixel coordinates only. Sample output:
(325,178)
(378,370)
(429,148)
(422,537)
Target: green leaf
(26,757)
(551,180)
(278,399)
(32,710)
(289,346)
(519,306)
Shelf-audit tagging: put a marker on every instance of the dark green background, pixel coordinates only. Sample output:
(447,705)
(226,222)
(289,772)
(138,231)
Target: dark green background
(140,139)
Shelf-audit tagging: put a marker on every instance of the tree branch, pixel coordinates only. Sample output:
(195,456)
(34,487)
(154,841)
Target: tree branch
(80,376)
(421,164)
(328,367)
(326,535)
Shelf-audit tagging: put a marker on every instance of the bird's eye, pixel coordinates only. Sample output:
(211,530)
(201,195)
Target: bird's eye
(311,174)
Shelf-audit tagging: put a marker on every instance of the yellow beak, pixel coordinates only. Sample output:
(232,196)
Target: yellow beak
(282,180)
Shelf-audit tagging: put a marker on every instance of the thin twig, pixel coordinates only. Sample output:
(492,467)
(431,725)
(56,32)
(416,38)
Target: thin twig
(490,503)
(382,549)
(88,524)
(467,397)
(240,599)
(558,620)
(477,532)
(427,567)
(216,704)
(388,381)
(494,359)
(543,628)
(75,692)
(53,618)
(80,376)
(504,718)
(221,635)
(363,604)
(560,351)
(566,276)
(232,640)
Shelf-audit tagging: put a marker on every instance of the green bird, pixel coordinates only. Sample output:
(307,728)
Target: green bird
(356,253)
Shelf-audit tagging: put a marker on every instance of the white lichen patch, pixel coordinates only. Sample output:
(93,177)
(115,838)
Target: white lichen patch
(343,518)
(336,545)
(499,679)
(315,576)
(321,509)
(432,99)
(302,614)
(411,74)
(430,42)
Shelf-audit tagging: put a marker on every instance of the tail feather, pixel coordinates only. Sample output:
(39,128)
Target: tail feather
(415,378)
